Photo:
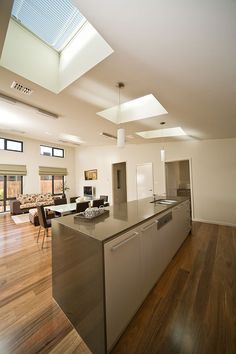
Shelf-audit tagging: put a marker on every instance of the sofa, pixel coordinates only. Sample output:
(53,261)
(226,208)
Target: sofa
(24,202)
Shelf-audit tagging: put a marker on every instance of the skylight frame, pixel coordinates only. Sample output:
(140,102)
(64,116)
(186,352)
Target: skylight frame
(137,109)
(55,30)
(162,133)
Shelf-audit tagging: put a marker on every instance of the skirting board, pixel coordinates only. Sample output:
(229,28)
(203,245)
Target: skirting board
(215,222)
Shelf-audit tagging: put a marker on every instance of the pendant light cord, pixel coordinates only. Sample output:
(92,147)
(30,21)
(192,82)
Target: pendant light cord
(120,85)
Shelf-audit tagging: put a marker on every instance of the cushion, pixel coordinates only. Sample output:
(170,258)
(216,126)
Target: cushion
(44,197)
(32,200)
(26,198)
(40,198)
(48,202)
(28,205)
(22,198)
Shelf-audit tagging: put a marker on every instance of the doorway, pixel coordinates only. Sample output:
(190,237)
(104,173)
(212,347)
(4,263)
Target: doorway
(119,187)
(178,179)
(144,180)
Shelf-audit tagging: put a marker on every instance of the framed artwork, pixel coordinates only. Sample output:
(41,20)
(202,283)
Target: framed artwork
(90,175)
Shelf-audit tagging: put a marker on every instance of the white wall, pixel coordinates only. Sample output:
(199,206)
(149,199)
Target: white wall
(85,51)
(28,56)
(32,159)
(213,173)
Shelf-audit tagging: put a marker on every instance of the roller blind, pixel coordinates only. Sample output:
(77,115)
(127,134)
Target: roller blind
(55,22)
(13,170)
(52,171)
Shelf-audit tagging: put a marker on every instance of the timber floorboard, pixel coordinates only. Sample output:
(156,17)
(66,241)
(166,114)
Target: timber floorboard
(192,308)
(30,321)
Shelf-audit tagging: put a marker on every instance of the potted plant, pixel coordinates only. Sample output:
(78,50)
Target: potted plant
(66,188)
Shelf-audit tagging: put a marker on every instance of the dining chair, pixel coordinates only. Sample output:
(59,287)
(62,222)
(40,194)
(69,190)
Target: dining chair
(43,222)
(60,201)
(105,198)
(98,202)
(81,206)
(73,199)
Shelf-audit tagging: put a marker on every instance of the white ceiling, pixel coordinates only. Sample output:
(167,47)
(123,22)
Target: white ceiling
(183,52)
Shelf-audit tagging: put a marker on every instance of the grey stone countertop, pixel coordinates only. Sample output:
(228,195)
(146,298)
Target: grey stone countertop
(121,218)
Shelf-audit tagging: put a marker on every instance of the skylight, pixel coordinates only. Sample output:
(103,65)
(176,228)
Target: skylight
(54,22)
(140,108)
(162,133)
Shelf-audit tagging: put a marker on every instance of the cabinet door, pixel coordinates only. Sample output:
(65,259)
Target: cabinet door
(157,249)
(166,246)
(149,255)
(186,218)
(182,222)
(122,283)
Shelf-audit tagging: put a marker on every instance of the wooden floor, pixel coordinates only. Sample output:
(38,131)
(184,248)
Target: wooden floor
(192,309)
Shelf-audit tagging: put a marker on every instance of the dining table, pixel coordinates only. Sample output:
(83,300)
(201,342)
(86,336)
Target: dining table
(62,209)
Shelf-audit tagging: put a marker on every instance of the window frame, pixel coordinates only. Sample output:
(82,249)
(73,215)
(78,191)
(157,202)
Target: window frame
(13,140)
(3,143)
(5,198)
(63,185)
(53,148)
(52,184)
(63,152)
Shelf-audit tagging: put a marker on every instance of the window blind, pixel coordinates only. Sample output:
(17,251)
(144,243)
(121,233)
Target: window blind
(13,170)
(52,171)
(55,22)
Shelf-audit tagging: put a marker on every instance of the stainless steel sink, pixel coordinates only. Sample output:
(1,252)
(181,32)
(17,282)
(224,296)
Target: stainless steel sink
(164,201)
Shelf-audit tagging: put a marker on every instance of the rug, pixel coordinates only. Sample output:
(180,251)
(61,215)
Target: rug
(20,219)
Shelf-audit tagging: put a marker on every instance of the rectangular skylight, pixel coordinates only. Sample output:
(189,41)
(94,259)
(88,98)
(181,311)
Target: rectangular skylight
(54,22)
(140,108)
(162,133)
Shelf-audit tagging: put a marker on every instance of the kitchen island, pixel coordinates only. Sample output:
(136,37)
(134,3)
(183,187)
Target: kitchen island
(103,269)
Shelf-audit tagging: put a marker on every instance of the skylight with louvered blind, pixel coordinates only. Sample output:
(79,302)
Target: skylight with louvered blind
(54,22)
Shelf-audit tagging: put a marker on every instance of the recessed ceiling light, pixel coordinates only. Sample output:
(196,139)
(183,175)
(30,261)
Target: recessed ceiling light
(162,133)
(17,131)
(41,111)
(71,138)
(68,142)
(140,108)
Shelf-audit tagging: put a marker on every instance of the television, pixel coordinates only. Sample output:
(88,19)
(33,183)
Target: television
(89,191)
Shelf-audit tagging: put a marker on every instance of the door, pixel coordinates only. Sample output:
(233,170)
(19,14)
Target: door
(119,182)
(144,177)
(10,187)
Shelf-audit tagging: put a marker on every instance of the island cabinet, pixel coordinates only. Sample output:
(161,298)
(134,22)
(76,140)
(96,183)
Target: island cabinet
(100,281)
(149,255)
(122,282)
(181,222)
(134,262)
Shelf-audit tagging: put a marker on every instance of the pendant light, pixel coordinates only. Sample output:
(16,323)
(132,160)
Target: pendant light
(120,131)
(162,154)
(120,137)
